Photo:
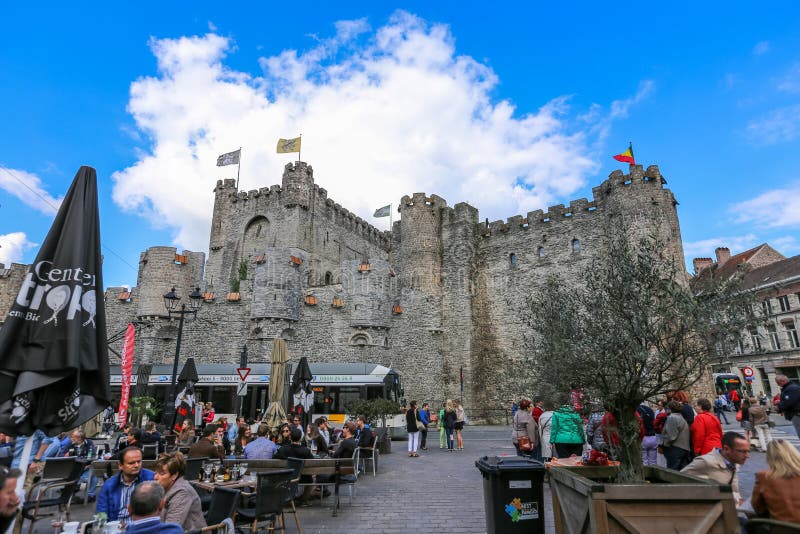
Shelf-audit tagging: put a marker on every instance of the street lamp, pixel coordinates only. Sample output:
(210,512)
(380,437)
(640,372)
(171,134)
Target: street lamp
(171,300)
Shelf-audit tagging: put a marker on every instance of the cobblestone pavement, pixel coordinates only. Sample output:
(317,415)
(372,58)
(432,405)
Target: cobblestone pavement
(437,492)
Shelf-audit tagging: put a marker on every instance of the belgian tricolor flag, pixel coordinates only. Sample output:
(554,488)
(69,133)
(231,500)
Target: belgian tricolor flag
(627,156)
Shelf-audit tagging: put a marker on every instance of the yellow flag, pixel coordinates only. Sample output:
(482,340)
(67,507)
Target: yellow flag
(289,145)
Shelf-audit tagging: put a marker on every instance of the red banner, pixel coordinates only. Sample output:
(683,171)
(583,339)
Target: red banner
(127,370)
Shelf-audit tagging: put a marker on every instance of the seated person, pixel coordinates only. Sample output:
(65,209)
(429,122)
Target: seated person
(186,435)
(122,438)
(9,500)
(145,507)
(82,448)
(295,448)
(181,501)
(262,448)
(776,493)
(152,435)
(116,492)
(363,434)
(315,440)
(210,445)
(348,444)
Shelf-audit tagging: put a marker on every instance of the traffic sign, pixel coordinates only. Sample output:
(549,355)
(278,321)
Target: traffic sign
(241,390)
(748,372)
(243,372)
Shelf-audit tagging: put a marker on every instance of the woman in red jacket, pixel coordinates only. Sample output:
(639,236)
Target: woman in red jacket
(706,429)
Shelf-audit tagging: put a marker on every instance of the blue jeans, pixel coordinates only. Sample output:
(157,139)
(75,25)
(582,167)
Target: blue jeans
(676,457)
(450,437)
(720,412)
(91,483)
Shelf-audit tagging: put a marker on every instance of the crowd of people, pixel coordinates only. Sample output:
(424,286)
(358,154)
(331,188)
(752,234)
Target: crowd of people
(677,434)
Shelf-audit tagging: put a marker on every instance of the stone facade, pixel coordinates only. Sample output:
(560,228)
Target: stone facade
(440,293)
(773,347)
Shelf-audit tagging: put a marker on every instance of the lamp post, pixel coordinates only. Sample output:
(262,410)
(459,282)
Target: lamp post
(171,300)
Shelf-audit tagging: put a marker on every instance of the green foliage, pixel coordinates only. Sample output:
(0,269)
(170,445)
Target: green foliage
(373,409)
(634,330)
(235,285)
(139,406)
(242,270)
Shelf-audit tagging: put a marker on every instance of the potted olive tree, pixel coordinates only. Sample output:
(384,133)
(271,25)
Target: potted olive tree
(376,411)
(633,329)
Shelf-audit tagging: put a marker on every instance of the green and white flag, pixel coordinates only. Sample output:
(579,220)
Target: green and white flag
(383,212)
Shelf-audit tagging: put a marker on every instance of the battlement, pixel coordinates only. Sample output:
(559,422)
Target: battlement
(540,219)
(14,268)
(421,200)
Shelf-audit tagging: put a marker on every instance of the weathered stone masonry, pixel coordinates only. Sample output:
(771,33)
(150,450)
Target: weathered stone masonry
(441,291)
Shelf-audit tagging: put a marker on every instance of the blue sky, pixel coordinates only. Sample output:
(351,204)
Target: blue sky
(511,109)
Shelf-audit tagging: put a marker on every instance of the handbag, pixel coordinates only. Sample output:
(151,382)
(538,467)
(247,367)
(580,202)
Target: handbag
(739,415)
(525,443)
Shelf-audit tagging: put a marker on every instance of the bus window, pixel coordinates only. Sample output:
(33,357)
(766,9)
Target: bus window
(345,396)
(374,392)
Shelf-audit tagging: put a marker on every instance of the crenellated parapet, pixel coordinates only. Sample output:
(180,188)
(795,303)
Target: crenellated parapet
(162,268)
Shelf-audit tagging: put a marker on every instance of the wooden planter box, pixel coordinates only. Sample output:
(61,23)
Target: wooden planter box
(586,500)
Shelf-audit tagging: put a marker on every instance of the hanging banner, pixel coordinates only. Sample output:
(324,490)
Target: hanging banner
(127,370)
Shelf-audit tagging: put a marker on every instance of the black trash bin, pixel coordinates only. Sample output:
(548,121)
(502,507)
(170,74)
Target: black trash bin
(513,494)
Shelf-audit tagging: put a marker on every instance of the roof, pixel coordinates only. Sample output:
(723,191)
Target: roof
(772,273)
(730,267)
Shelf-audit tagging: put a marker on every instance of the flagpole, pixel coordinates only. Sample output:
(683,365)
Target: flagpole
(630,147)
(300,150)
(238,168)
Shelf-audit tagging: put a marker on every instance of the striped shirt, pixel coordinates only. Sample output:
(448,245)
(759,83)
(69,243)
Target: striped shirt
(125,499)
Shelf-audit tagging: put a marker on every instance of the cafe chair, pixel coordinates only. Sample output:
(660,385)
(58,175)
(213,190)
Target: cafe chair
(58,468)
(351,480)
(223,504)
(273,491)
(193,468)
(761,525)
(150,451)
(39,496)
(370,454)
(170,441)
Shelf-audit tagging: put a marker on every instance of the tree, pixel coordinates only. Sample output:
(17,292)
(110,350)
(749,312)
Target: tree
(633,330)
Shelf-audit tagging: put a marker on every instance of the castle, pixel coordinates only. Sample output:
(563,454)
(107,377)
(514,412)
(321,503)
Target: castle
(441,292)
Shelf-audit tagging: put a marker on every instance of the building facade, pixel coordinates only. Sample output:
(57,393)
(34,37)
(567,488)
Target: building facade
(438,297)
(773,347)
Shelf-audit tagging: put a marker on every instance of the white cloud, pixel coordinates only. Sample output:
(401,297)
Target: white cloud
(778,208)
(787,245)
(384,113)
(705,248)
(761,48)
(791,81)
(780,125)
(13,246)
(28,188)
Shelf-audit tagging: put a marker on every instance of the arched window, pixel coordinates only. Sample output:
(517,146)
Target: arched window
(541,252)
(328,278)
(512,259)
(576,245)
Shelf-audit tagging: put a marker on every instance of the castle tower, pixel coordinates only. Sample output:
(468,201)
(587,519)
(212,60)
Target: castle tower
(368,293)
(279,284)
(640,205)
(297,184)
(160,269)
(419,250)
(221,252)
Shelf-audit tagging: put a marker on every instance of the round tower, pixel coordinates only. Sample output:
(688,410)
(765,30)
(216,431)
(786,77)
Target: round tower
(161,269)
(297,184)
(419,251)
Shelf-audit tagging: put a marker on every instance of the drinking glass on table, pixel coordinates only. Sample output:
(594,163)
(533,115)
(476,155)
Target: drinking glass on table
(242,469)
(57,522)
(207,470)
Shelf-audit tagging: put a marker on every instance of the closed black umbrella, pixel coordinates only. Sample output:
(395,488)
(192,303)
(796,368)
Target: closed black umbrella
(53,351)
(301,388)
(185,401)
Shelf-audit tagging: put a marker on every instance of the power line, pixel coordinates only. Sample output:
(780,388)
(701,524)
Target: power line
(55,208)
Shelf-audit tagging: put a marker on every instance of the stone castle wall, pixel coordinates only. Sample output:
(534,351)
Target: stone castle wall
(443,292)
(10,281)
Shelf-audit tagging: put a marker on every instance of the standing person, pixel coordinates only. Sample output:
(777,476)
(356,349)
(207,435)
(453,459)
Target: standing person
(759,420)
(776,493)
(594,429)
(412,418)
(538,408)
(115,495)
(210,413)
(719,408)
(734,397)
(650,440)
(181,501)
(461,419)
(676,438)
(442,432)
(233,431)
(200,415)
(524,426)
(566,434)
(449,423)
(545,425)
(789,403)
(745,422)
(706,429)
(722,465)
(425,417)
(9,500)
(686,407)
